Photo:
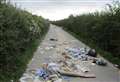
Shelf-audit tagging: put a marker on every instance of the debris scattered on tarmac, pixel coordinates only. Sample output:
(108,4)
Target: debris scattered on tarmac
(72,62)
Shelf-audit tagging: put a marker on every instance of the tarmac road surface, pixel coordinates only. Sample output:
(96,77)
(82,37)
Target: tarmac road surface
(43,53)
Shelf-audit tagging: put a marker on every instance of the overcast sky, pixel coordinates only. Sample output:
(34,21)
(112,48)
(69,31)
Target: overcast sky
(59,9)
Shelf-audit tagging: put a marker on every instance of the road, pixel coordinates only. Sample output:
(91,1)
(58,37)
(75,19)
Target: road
(42,54)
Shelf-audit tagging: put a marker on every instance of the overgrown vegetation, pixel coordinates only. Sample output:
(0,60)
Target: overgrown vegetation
(20,33)
(99,29)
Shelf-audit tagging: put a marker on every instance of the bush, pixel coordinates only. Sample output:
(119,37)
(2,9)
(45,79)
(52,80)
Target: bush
(19,30)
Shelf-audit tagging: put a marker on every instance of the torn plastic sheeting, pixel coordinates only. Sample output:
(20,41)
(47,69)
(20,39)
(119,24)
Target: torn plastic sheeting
(82,68)
(101,62)
(83,57)
(53,66)
(42,73)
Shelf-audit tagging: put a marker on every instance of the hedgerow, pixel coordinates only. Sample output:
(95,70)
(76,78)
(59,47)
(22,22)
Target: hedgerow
(100,28)
(19,31)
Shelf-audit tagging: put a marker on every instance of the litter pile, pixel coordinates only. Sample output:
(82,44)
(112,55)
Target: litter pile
(85,54)
(71,63)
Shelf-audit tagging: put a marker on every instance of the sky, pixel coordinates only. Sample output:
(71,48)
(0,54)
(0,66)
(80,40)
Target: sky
(60,9)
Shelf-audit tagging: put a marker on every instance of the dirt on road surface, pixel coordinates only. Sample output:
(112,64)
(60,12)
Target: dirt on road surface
(63,39)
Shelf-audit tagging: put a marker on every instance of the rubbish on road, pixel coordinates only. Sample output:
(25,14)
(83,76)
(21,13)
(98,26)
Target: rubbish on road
(53,66)
(77,74)
(55,78)
(78,53)
(27,78)
(72,69)
(49,81)
(42,73)
(45,65)
(45,72)
(83,54)
(83,69)
(50,46)
(66,56)
(53,69)
(93,64)
(100,62)
(71,64)
(36,79)
(118,66)
(54,46)
(92,53)
(53,39)
(47,48)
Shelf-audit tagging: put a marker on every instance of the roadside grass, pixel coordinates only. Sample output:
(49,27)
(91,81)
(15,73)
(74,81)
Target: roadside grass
(22,62)
(91,44)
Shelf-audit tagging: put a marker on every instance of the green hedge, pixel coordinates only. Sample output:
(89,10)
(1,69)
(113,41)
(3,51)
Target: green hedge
(100,28)
(20,33)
